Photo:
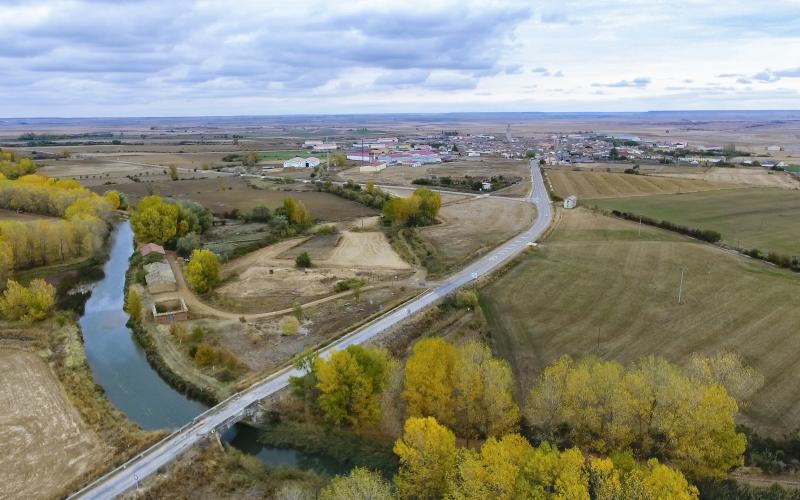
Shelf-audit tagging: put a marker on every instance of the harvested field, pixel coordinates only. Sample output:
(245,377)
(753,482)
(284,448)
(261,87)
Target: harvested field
(318,247)
(763,218)
(611,185)
(224,194)
(748,176)
(402,176)
(474,226)
(447,198)
(365,250)
(44,444)
(597,287)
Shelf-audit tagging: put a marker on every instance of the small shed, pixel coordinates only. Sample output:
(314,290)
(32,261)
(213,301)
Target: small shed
(159,278)
(149,248)
(570,202)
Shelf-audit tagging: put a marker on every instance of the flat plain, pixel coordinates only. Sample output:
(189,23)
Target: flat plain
(764,218)
(598,287)
(592,184)
(44,444)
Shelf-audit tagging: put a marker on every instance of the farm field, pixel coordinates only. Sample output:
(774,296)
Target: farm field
(44,444)
(597,287)
(402,176)
(585,184)
(747,176)
(473,226)
(224,194)
(763,218)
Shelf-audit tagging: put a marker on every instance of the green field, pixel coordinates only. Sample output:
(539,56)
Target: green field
(284,155)
(763,218)
(598,287)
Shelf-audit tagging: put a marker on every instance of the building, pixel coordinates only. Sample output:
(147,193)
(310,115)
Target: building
(372,167)
(312,143)
(169,311)
(149,248)
(159,278)
(298,162)
(570,202)
(326,146)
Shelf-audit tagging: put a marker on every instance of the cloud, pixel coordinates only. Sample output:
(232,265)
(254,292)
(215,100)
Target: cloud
(640,82)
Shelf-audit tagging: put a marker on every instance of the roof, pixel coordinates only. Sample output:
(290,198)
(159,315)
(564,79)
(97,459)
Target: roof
(149,248)
(158,272)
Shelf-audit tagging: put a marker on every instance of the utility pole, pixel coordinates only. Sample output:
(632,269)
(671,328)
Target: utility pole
(680,288)
(640,226)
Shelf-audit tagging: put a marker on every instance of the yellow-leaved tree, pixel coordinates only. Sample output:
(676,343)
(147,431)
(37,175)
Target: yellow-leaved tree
(360,484)
(133,305)
(155,220)
(30,304)
(427,453)
(203,271)
(428,386)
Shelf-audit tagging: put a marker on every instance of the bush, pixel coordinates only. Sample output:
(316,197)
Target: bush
(187,244)
(290,326)
(303,260)
(467,298)
(348,284)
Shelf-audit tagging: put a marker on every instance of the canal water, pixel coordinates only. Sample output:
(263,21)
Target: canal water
(120,366)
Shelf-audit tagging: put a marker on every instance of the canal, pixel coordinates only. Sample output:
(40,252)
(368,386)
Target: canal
(120,366)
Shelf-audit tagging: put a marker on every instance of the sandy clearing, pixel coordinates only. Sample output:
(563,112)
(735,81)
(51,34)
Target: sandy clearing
(44,444)
(365,250)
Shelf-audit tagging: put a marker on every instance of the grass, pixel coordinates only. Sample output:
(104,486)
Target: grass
(285,155)
(611,185)
(597,287)
(763,218)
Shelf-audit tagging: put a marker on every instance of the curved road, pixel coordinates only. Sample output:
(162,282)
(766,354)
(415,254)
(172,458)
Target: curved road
(128,476)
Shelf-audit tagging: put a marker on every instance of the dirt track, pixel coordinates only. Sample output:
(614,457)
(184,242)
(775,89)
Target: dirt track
(44,444)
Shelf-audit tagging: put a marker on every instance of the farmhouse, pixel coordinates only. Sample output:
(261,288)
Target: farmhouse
(149,248)
(159,278)
(326,146)
(298,162)
(570,202)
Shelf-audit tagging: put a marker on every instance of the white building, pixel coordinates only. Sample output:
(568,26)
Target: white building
(298,162)
(312,143)
(570,202)
(326,146)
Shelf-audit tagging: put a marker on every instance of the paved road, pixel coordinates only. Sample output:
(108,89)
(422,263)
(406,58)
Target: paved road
(128,476)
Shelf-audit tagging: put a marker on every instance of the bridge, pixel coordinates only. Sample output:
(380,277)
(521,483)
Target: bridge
(243,404)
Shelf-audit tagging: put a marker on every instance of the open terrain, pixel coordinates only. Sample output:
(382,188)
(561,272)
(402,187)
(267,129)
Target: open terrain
(402,176)
(596,286)
(44,443)
(591,184)
(472,227)
(756,176)
(224,194)
(764,218)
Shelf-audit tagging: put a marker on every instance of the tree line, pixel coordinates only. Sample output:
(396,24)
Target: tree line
(12,166)
(81,232)
(370,196)
(611,428)
(700,234)
(419,209)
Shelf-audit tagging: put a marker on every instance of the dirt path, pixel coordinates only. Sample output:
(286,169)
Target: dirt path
(195,304)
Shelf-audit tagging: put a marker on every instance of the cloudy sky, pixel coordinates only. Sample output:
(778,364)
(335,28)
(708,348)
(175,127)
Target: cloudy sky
(234,57)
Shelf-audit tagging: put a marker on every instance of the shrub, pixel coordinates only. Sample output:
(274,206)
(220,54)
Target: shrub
(290,326)
(303,260)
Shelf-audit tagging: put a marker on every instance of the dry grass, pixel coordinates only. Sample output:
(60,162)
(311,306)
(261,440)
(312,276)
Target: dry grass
(584,184)
(597,287)
(402,176)
(44,442)
(472,227)
(747,176)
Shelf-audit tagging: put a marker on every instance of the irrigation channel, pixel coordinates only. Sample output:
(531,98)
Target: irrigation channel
(120,366)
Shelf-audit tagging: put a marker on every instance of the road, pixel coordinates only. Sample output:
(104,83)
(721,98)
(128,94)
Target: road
(128,476)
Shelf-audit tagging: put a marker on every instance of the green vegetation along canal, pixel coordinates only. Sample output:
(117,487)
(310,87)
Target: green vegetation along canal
(120,366)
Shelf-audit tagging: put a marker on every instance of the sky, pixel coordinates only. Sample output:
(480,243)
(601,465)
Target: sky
(78,58)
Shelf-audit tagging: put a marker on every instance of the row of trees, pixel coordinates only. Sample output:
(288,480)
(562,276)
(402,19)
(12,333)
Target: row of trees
(12,166)
(700,234)
(370,196)
(159,221)
(80,233)
(652,407)
(419,209)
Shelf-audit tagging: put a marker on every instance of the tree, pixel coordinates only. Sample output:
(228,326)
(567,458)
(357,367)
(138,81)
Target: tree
(187,244)
(113,199)
(305,386)
(530,154)
(296,212)
(657,481)
(290,325)
(250,159)
(428,386)
(427,453)
(133,305)
(360,484)
(494,472)
(173,172)
(27,304)
(339,160)
(370,187)
(155,220)
(297,312)
(203,271)
(303,260)
(729,371)
(467,299)
(551,473)
(350,384)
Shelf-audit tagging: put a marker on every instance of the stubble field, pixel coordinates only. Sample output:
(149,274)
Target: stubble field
(598,287)
(44,444)
(584,184)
